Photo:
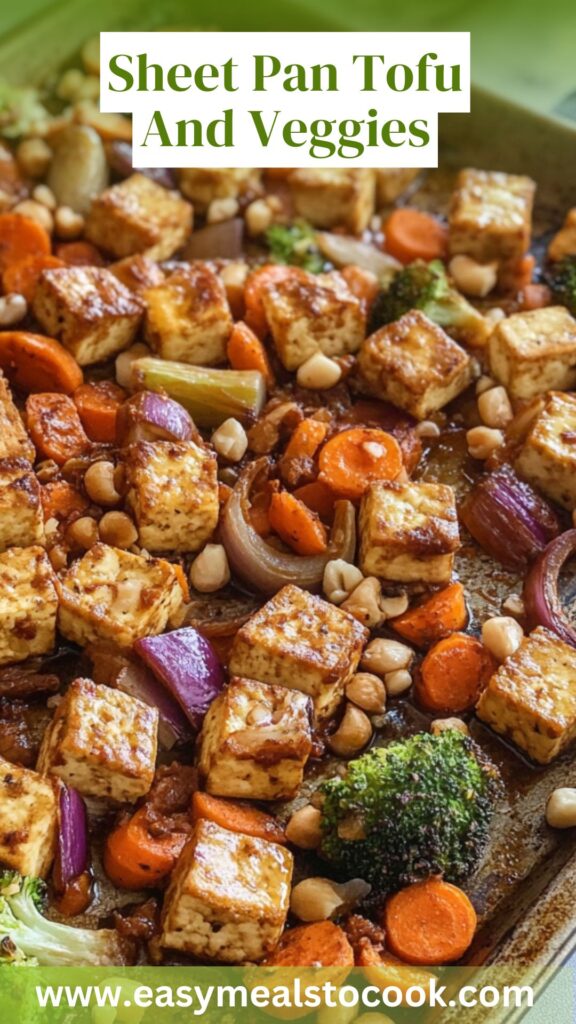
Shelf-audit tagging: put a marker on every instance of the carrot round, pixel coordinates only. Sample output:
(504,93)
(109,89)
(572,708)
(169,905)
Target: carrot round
(454,673)
(318,497)
(443,613)
(413,235)
(353,459)
(255,284)
(134,859)
(306,439)
(55,428)
(35,363)
(323,944)
(98,403)
(21,237)
(429,923)
(383,970)
(22,276)
(60,498)
(296,524)
(245,351)
(79,254)
(237,817)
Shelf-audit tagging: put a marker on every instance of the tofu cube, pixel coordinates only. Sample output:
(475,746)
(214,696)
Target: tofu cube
(110,594)
(409,532)
(137,272)
(564,241)
(531,698)
(300,641)
(229,896)
(531,353)
(547,458)
(172,491)
(28,604)
(28,820)
(102,742)
(14,441)
(415,365)
(88,310)
(336,196)
(491,218)
(21,517)
(255,741)
(203,184)
(391,182)
(138,215)
(310,313)
(188,317)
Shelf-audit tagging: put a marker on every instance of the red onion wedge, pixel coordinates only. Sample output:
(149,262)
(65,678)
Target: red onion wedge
(509,519)
(217,241)
(541,597)
(259,564)
(188,666)
(148,416)
(138,681)
(72,851)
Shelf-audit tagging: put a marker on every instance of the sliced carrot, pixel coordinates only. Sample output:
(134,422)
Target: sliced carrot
(75,897)
(535,296)
(21,237)
(22,277)
(98,403)
(245,351)
(60,499)
(296,524)
(134,859)
(55,428)
(384,970)
(363,284)
(412,235)
(454,673)
(33,362)
(79,254)
(323,944)
(430,923)
(237,817)
(353,459)
(255,284)
(318,497)
(306,439)
(524,271)
(443,613)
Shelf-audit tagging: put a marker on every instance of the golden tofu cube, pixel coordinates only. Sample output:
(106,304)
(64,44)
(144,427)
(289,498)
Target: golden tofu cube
(255,741)
(138,215)
(391,182)
(137,272)
(491,217)
(110,594)
(188,317)
(21,516)
(564,241)
(300,641)
(409,532)
(229,896)
(172,491)
(547,458)
(14,441)
(88,310)
(336,196)
(530,353)
(28,604)
(531,698)
(203,184)
(28,820)
(310,313)
(101,742)
(415,365)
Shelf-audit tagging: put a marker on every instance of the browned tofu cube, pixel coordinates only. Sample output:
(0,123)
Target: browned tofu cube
(203,184)
(391,182)
(28,820)
(28,604)
(547,458)
(137,272)
(21,516)
(138,215)
(88,310)
(14,441)
(534,352)
(415,365)
(188,317)
(336,196)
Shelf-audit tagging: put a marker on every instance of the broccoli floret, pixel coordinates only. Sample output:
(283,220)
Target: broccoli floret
(295,244)
(20,110)
(27,937)
(421,807)
(425,286)
(561,278)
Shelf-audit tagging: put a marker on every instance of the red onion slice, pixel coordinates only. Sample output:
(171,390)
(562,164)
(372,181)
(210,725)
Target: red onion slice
(173,725)
(217,241)
(148,416)
(72,851)
(188,666)
(541,597)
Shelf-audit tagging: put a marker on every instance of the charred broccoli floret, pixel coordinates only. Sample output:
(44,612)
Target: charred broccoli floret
(295,244)
(425,286)
(419,807)
(561,278)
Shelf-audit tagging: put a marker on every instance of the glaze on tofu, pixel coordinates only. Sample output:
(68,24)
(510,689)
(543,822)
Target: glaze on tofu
(534,352)
(21,517)
(139,216)
(330,197)
(547,458)
(188,318)
(203,184)
(28,604)
(14,441)
(28,820)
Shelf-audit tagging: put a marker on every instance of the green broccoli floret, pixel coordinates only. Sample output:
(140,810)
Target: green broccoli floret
(27,937)
(421,807)
(561,278)
(295,244)
(425,286)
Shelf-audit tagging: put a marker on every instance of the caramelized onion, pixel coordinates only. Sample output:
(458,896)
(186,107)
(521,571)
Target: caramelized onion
(265,568)
(541,597)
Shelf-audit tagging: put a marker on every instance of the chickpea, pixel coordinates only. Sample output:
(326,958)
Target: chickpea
(34,156)
(514,605)
(230,440)
(318,373)
(82,533)
(13,309)
(210,570)
(393,606)
(222,209)
(353,733)
(58,556)
(442,724)
(495,408)
(99,484)
(368,692)
(319,899)
(117,529)
(426,429)
(472,278)
(125,364)
(304,829)
(484,383)
(258,217)
(365,603)
(68,223)
(340,579)
(36,211)
(385,656)
(44,195)
(502,635)
(561,808)
(482,441)
(397,682)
